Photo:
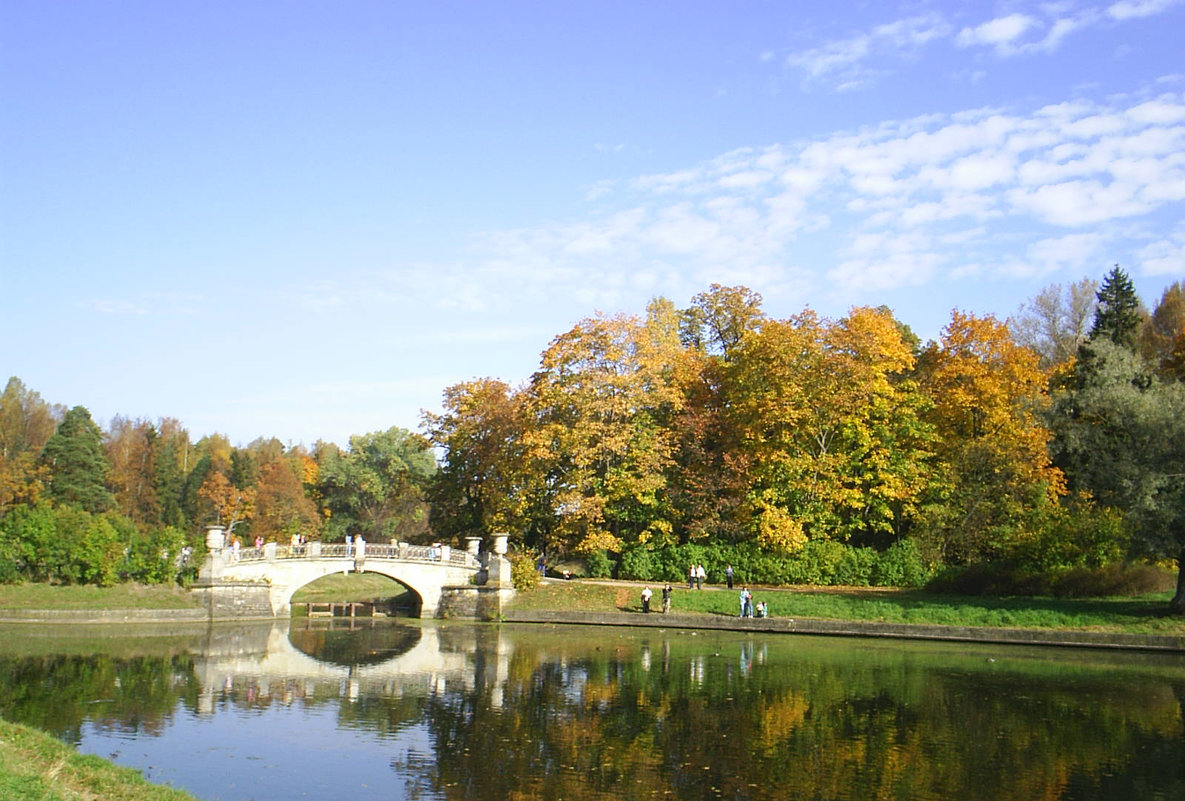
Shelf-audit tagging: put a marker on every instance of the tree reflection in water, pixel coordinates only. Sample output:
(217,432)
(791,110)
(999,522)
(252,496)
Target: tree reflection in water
(503,712)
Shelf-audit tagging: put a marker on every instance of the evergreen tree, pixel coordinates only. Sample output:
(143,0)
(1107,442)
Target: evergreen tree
(77,465)
(1119,314)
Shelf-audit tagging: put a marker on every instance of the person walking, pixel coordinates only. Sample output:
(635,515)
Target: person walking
(691,572)
(728,575)
(700,575)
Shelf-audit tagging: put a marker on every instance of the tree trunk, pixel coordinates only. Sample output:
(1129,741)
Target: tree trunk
(1177,605)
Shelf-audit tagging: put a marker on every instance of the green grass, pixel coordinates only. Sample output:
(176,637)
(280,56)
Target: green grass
(121,596)
(1144,615)
(36,767)
(351,587)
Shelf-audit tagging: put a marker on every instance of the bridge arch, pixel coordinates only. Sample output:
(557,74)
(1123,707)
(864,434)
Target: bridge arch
(384,570)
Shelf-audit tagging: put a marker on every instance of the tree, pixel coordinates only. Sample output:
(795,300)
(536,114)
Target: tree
(479,489)
(718,319)
(1162,339)
(77,465)
(131,452)
(1120,313)
(281,506)
(26,424)
(1121,435)
(1055,322)
(834,443)
(226,504)
(601,398)
(377,487)
(988,393)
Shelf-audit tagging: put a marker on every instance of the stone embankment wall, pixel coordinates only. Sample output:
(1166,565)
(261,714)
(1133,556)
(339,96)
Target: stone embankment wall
(842,628)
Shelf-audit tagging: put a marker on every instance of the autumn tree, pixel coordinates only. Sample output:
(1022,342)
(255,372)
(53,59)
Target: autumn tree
(26,424)
(600,397)
(837,449)
(224,503)
(717,320)
(281,506)
(480,487)
(1162,339)
(988,394)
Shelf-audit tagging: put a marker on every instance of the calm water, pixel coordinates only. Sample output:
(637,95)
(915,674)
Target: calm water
(457,711)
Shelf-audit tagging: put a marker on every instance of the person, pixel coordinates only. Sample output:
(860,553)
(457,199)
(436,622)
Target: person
(235,545)
(728,575)
(744,601)
(349,544)
(360,547)
(700,575)
(646,599)
(691,572)
(760,609)
(666,599)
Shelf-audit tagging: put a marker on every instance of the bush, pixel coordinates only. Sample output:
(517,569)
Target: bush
(524,572)
(598,564)
(900,566)
(1112,580)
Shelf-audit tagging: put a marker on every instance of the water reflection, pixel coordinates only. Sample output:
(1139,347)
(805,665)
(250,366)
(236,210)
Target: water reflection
(474,712)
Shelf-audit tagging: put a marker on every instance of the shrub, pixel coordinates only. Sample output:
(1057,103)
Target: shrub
(524,573)
(598,564)
(901,565)
(1112,580)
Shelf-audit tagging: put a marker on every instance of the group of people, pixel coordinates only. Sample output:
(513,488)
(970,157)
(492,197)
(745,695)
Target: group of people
(751,609)
(695,577)
(647,594)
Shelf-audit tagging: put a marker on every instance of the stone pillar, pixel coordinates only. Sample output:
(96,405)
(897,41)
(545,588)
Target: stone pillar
(315,549)
(215,562)
(269,551)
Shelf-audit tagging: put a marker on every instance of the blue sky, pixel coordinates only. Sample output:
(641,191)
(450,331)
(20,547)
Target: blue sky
(305,220)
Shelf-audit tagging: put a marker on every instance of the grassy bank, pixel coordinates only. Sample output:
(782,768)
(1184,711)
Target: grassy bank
(121,596)
(1144,615)
(36,767)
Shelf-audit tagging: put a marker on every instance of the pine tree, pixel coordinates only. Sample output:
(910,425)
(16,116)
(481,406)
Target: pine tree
(77,465)
(1119,314)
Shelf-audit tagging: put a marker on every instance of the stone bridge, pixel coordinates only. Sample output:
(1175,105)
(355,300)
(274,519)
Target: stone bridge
(260,582)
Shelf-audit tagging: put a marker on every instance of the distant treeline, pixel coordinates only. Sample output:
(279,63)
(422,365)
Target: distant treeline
(1049,442)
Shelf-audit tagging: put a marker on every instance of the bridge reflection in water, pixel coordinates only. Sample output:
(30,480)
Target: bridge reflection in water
(406,660)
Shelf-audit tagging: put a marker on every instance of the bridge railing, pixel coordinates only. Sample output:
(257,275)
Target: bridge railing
(337,550)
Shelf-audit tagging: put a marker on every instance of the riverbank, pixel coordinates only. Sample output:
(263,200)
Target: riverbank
(34,766)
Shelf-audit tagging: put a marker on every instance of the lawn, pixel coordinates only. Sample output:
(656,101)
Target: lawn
(1143,615)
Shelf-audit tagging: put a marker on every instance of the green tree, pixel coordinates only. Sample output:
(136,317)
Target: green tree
(77,465)
(376,488)
(1119,314)
(1121,437)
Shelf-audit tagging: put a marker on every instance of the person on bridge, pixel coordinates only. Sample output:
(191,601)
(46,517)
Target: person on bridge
(359,548)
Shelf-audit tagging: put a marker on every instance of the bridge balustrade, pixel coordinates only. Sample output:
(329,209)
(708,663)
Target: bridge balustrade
(403,551)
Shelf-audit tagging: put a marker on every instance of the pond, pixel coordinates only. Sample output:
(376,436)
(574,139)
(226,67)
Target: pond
(423,710)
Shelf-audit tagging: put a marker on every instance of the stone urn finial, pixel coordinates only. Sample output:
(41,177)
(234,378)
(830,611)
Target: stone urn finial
(500,544)
(215,538)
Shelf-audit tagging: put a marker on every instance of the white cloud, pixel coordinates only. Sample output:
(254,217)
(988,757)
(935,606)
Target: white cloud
(1001,33)
(1136,9)
(1165,257)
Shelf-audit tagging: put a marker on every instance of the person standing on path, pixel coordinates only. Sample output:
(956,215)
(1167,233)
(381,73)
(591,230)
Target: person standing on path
(700,575)
(646,593)
(728,575)
(691,573)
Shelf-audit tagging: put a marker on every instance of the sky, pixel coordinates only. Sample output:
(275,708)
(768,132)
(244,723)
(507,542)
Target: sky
(305,220)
